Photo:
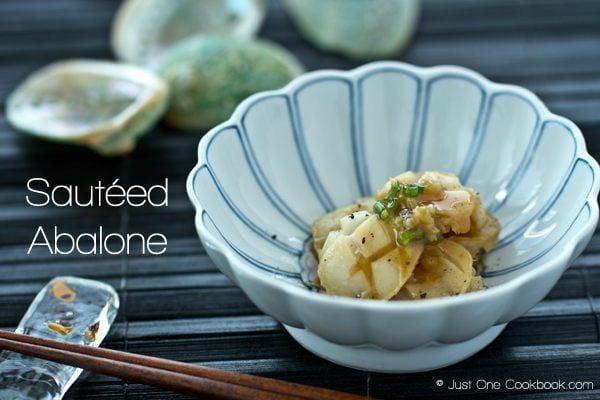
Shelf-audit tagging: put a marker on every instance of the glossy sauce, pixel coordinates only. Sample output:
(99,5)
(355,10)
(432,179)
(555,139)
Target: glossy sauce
(451,198)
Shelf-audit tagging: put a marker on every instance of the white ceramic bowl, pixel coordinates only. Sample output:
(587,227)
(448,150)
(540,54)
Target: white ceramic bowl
(286,157)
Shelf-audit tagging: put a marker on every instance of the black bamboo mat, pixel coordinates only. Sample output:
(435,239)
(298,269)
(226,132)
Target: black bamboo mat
(179,306)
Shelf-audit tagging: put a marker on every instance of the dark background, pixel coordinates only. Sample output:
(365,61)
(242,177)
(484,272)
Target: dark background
(179,306)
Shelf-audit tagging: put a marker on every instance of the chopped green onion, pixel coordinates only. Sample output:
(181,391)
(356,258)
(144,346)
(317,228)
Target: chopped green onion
(395,188)
(412,190)
(385,214)
(385,207)
(378,208)
(381,210)
(408,236)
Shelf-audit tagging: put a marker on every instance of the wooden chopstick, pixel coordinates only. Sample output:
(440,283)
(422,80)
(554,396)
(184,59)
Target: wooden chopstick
(171,375)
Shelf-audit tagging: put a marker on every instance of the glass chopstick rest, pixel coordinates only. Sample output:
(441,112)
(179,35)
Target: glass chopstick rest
(69,309)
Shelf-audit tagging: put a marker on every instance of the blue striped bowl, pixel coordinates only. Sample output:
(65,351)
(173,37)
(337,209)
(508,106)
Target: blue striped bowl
(286,157)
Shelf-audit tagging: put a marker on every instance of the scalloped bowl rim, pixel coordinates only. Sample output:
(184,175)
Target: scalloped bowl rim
(504,288)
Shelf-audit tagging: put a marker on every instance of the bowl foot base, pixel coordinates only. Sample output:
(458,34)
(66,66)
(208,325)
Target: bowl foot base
(375,359)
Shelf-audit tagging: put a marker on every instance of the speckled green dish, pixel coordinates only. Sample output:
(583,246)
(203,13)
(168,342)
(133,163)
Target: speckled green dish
(357,28)
(103,105)
(144,29)
(210,75)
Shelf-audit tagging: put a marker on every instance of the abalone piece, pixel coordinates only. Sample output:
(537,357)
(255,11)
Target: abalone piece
(103,105)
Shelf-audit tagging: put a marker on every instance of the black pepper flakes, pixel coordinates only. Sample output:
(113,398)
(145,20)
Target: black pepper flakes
(423,295)
(274,237)
(364,240)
